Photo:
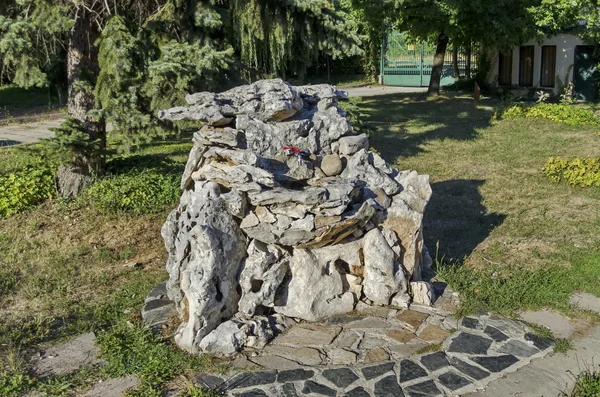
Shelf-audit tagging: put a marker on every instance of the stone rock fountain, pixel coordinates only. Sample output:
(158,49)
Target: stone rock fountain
(286,216)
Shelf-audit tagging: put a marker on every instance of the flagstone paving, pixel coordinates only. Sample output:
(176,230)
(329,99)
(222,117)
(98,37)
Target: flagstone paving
(482,349)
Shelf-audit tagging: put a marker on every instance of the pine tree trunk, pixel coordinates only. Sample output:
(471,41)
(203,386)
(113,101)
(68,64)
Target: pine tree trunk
(455,62)
(82,69)
(438,65)
(468,67)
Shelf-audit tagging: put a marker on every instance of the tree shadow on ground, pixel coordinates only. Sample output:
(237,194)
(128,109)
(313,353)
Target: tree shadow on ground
(457,219)
(430,119)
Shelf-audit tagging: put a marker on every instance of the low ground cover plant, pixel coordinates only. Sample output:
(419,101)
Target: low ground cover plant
(578,171)
(25,188)
(559,112)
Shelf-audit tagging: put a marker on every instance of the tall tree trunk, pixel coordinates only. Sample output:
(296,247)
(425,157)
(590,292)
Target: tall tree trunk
(468,67)
(82,70)
(455,62)
(438,65)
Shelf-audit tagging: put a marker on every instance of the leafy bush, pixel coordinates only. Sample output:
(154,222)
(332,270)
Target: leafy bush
(136,192)
(25,188)
(559,112)
(582,172)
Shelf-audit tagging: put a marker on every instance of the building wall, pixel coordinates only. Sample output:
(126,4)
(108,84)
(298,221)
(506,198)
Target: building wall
(565,56)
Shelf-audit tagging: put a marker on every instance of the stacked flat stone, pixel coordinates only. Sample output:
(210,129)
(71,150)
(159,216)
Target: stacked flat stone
(260,238)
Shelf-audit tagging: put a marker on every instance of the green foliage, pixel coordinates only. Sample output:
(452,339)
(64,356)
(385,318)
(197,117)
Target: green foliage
(24,189)
(559,112)
(13,384)
(587,385)
(132,350)
(71,144)
(136,192)
(583,172)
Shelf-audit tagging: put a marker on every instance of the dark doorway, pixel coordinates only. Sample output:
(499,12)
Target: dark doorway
(505,62)
(526,55)
(585,74)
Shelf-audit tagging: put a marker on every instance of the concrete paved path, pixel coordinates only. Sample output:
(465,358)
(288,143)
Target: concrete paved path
(377,90)
(18,134)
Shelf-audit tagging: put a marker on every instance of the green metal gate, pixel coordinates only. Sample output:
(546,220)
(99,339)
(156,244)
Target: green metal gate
(409,63)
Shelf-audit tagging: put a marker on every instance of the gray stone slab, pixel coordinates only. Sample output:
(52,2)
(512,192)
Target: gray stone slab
(294,375)
(252,393)
(471,323)
(67,357)
(539,342)
(113,387)
(468,369)
(341,377)
(208,381)
(358,392)
(423,389)
(435,361)
(453,381)
(287,390)
(158,311)
(311,387)
(249,379)
(308,335)
(496,364)
(586,301)
(559,325)
(387,387)
(375,371)
(495,334)
(518,348)
(158,292)
(410,371)
(470,344)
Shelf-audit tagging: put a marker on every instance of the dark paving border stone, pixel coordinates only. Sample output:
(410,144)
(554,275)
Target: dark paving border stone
(209,381)
(468,369)
(293,375)
(471,323)
(424,389)
(287,390)
(410,371)
(388,387)
(453,381)
(377,370)
(495,334)
(469,343)
(158,292)
(496,364)
(435,361)
(342,377)
(249,379)
(317,388)
(539,342)
(252,393)
(357,392)
(518,348)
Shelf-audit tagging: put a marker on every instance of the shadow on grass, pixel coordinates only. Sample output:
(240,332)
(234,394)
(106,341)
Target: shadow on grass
(457,219)
(434,119)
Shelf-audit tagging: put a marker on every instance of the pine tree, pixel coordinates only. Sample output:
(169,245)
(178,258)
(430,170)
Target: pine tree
(125,60)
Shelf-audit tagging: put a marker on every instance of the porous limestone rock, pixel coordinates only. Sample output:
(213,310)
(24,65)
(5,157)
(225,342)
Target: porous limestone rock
(264,235)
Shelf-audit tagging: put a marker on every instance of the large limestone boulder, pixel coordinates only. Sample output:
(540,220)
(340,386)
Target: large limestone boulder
(285,214)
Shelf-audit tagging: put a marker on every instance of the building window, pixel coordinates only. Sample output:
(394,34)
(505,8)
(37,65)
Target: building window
(526,66)
(505,69)
(548,76)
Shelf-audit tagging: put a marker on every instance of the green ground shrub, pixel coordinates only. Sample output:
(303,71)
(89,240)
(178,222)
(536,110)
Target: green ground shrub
(136,192)
(25,188)
(584,171)
(559,112)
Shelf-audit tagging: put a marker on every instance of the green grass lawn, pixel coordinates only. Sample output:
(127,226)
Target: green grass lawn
(516,239)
